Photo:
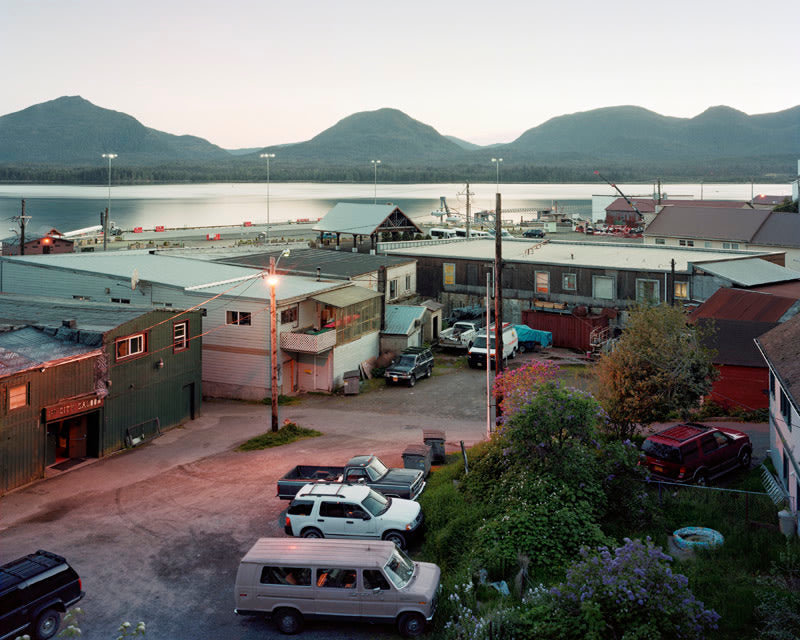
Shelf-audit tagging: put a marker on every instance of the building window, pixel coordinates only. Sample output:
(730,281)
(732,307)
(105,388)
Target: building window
(661,241)
(603,287)
(18,396)
(238,317)
(734,245)
(289,316)
(647,291)
(393,289)
(681,290)
(408,282)
(786,410)
(180,336)
(121,300)
(353,321)
(569,282)
(81,298)
(726,245)
(542,281)
(686,243)
(130,346)
(449,272)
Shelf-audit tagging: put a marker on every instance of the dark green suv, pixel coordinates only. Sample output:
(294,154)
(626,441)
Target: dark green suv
(34,591)
(409,366)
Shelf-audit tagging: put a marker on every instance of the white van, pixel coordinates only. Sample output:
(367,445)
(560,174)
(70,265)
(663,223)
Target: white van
(291,580)
(476,356)
(461,232)
(442,233)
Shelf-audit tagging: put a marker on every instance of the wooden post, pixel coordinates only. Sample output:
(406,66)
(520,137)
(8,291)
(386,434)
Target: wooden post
(498,300)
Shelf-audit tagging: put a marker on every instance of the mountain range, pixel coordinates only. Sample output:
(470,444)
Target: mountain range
(70,133)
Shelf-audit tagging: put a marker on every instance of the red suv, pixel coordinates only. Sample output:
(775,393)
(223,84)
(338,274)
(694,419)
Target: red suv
(696,452)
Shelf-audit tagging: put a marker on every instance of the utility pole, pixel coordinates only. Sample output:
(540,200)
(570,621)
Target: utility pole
(468,211)
(498,298)
(22,219)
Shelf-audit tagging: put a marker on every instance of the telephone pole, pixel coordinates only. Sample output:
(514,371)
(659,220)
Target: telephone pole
(498,299)
(22,219)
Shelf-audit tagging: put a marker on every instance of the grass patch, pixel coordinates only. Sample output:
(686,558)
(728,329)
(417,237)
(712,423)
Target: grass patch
(283,400)
(289,432)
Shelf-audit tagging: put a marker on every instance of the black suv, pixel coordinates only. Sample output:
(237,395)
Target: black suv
(413,363)
(533,233)
(34,591)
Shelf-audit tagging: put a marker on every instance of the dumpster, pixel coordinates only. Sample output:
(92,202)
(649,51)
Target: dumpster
(418,456)
(435,440)
(352,382)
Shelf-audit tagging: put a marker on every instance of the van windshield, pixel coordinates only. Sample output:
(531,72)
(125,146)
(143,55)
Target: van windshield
(400,569)
(480,343)
(375,503)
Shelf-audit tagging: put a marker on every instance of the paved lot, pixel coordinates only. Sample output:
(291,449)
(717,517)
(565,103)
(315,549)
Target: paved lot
(156,533)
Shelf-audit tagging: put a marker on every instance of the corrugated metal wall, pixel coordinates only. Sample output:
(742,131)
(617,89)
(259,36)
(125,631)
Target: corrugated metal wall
(741,387)
(569,331)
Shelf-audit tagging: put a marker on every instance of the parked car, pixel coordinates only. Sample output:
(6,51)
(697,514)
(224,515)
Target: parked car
(697,453)
(460,335)
(369,470)
(34,591)
(352,511)
(409,366)
(348,580)
(533,233)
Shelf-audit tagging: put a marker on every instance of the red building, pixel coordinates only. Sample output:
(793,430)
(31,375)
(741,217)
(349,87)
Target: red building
(45,244)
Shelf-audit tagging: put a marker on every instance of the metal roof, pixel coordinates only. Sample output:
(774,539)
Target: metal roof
(612,255)
(344,264)
(707,223)
(28,348)
(744,304)
(779,230)
(361,219)
(347,296)
(400,318)
(321,553)
(733,341)
(749,272)
(781,346)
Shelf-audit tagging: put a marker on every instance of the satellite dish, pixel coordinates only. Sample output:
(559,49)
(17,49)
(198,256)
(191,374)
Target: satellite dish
(135,278)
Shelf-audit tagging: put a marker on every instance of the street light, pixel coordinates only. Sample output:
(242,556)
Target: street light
(268,156)
(375,164)
(272,281)
(497,162)
(110,157)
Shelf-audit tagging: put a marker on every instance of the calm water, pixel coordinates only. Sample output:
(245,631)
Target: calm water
(75,207)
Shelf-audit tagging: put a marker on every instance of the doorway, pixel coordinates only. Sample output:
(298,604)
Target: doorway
(73,439)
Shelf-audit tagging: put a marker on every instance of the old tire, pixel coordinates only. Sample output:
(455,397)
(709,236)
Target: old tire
(47,624)
(288,621)
(397,537)
(412,381)
(411,625)
(745,457)
(311,532)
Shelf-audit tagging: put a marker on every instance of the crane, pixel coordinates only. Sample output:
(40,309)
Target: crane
(627,199)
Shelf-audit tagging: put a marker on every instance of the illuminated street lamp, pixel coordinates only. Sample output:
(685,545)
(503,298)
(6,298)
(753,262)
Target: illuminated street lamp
(272,281)
(375,164)
(497,162)
(110,157)
(267,156)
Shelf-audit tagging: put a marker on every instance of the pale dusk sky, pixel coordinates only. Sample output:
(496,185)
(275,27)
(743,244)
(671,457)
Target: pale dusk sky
(248,73)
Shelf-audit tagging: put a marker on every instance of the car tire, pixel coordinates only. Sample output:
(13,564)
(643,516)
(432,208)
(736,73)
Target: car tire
(430,372)
(411,625)
(701,479)
(288,621)
(745,458)
(47,624)
(412,381)
(513,353)
(398,538)
(522,348)
(311,532)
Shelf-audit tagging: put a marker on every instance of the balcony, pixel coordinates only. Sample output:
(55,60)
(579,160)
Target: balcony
(308,340)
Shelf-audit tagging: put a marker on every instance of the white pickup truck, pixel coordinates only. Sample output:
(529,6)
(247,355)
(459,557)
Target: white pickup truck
(460,335)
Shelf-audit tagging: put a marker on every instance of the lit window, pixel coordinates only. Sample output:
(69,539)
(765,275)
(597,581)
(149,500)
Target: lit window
(180,336)
(130,346)
(449,272)
(682,290)
(542,282)
(17,396)
(238,317)
(569,282)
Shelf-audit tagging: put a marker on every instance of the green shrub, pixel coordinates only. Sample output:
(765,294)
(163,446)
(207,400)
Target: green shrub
(289,432)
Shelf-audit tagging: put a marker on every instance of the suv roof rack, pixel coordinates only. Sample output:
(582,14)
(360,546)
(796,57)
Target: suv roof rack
(337,493)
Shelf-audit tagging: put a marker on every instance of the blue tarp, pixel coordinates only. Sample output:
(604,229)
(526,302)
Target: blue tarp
(528,335)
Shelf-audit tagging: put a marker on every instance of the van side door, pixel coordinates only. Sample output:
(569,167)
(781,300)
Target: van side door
(337,593)
(378,596)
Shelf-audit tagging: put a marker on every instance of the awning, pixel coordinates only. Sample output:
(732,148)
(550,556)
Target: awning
(341,298)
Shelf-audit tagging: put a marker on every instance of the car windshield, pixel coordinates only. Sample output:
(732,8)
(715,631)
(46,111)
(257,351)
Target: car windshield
(405,361)
(661,451)
(400,569)
(376,469)
(375,503)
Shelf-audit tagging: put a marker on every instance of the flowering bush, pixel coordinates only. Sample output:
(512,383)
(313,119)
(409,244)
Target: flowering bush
(518,386)
(464,622)
(630,593)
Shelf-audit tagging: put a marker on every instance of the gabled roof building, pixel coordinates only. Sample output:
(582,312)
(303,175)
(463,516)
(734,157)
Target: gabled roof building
(371,220)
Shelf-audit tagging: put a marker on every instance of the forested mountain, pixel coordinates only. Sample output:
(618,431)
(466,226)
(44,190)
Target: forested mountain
(62,140)
(73,131)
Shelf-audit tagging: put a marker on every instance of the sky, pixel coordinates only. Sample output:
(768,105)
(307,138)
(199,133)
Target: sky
(254,73)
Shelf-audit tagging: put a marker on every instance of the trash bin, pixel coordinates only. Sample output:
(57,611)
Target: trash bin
(787,523)
(418,456)
(352,382)
(435,440)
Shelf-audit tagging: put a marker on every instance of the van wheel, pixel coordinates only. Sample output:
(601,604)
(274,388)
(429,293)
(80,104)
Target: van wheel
(47,624)
(411,625)
(311,533)
(398,538)
(288,621)
(513,353)
(412,381)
